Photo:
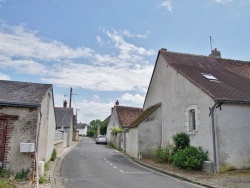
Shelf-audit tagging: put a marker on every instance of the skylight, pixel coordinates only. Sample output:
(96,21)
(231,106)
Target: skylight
(209,77)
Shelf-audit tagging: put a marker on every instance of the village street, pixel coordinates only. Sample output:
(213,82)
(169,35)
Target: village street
(89,166)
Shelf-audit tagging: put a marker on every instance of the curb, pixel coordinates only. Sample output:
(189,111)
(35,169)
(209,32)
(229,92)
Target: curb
(173,175)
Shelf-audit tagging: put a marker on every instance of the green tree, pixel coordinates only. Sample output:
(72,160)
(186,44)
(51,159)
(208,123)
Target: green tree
(103,128)
(93,127)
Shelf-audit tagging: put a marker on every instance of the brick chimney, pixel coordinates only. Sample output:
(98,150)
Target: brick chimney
(215,54)
(65,104)
(117,103)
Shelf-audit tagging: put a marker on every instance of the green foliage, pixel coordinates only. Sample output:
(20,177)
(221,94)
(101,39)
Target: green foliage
(116,130)
(4,173)
(53,155)
(164,154)
(93,127)
(103,128)
(22,175)
(181,140)
(190,158)
(43,180)
(4,184)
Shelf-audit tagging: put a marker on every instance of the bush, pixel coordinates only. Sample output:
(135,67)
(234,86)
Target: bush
(22,175)
(4,184)
(116,130)
(53,155)
(164,154)
(181,140)
(190,158)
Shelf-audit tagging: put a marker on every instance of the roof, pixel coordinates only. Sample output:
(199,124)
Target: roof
(106,120)
(81,125)
(144,115)
(22,93)
(233,76)
(126,115)
(64,117)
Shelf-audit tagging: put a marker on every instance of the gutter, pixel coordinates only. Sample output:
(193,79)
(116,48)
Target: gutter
(17,104)
(37,145)
(213,135)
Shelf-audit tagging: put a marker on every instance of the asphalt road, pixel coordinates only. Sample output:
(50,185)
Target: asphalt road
(99,166)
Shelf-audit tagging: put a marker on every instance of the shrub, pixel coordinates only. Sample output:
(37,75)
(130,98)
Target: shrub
(53,155)
(4,184)
(116,130)
(43,180)
(181,140)
(190,158)
(164,154)
(22,175)
(5,174)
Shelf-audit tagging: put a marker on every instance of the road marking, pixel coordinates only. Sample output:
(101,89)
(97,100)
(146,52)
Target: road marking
(114,166)
(135,172)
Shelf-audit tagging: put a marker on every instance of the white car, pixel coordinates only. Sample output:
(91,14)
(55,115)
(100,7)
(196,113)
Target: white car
(101,139)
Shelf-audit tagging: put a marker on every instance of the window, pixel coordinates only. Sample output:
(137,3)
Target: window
(210,77)
(192,119)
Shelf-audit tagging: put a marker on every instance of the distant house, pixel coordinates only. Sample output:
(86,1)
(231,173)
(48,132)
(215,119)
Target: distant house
(27,124)
(121,116)
(207,97)
(82,128)
(64,121)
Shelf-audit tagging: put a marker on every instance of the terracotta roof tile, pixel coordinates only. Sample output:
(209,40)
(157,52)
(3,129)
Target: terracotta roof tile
(233,76)
(127,115)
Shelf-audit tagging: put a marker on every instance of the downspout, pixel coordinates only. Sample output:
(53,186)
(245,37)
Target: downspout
(37,144)
(213,134)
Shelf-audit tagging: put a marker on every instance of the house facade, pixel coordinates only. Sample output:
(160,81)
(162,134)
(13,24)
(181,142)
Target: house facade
(27,124)
(209,99)
(64,122)
(121,116)
(82,128)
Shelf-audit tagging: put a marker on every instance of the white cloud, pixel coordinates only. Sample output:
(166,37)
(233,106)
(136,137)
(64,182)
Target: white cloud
(95,98)
(167,4)
(222,1)
(136,99)
(99,40)
(4,77)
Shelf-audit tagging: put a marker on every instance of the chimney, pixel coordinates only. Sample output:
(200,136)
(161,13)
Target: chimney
(215,54)
(117,103)
(65,104)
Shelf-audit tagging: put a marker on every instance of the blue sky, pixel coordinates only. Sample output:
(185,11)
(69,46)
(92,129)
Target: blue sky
(106,49)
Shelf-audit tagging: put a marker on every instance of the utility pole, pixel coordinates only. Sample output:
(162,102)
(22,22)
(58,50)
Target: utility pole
(70,96)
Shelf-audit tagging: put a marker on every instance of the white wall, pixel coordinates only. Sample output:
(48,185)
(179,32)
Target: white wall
(176,94)
(113,122)
(233,130)
(132,142)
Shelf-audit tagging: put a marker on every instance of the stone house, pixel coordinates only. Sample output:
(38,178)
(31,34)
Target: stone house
(27,125)
(121,116)
(207,97)
(64,121)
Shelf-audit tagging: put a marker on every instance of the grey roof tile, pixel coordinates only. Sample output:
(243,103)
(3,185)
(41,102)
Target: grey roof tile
(64,117)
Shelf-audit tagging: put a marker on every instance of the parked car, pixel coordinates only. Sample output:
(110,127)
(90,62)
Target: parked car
(101,139)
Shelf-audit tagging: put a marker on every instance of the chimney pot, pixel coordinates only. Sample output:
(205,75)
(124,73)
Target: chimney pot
(215,54)
(117,102)
(65,104)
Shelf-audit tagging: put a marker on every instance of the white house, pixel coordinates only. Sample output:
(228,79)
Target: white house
(207,97)
(82,128)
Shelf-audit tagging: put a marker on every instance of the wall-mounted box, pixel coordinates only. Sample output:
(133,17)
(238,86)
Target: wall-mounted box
(27,147)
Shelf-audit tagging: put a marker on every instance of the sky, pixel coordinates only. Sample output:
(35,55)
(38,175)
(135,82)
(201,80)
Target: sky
(105,50)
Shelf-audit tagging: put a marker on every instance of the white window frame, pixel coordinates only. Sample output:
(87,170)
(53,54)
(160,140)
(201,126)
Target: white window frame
(192,112)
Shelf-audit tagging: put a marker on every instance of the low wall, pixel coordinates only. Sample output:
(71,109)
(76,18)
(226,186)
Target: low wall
(58,145)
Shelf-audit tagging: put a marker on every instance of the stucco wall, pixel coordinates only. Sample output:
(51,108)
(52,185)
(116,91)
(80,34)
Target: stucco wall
(176,94)
(150,134)
(47,128)
(233,130)
(21,130)
(132,142)
(112,123)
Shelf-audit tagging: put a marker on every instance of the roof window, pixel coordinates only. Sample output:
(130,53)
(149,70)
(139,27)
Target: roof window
(210,77)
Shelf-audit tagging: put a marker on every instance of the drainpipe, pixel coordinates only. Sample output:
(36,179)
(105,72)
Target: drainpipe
(214,140)
(37,144)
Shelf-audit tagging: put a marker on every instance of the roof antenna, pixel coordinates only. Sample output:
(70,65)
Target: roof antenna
(211,40)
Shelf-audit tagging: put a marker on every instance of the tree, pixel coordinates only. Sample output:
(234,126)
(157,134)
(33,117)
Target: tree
(93,127)
(103,128)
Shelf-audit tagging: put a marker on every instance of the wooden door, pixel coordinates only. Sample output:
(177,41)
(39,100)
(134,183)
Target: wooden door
(2,139)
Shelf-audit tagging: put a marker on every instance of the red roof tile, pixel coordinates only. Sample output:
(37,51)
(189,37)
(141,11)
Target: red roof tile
(127,114)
